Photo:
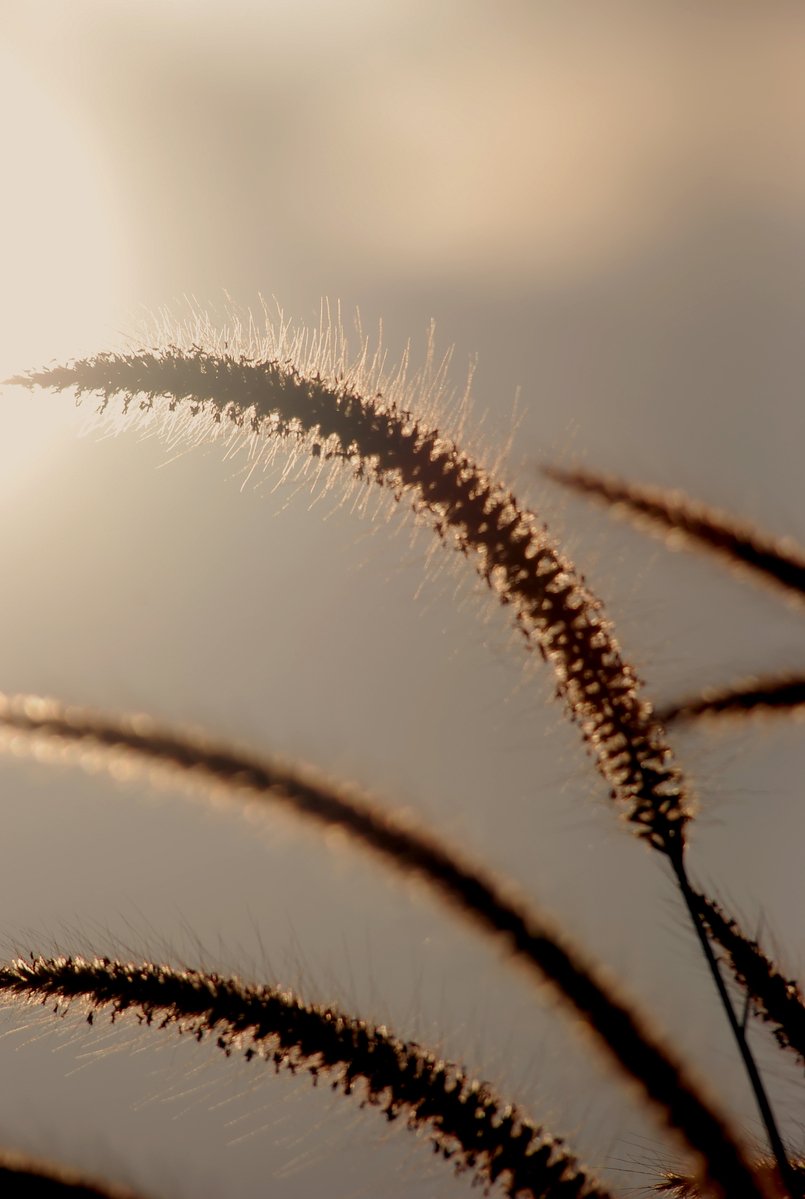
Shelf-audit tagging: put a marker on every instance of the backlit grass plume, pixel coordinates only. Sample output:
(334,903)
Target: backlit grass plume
(23,1177)
(279,397)
(775,998)
(675,516)
(331,419)
(466,1121)
(754,696)
(737,543)
(682,1186)
(31,722)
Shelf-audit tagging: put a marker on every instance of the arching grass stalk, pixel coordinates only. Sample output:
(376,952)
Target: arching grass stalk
(273,399)
(466,1121)
(22,1177)
(775,998)
(778,1149)
(777,562)
(682,1186)
(755,696)
(477,896)
(736,542)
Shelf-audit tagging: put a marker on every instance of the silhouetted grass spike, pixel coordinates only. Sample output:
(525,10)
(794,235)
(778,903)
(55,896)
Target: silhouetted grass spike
(754,696)
(23,1177)
(477,896)
(736,542)
(275,399)
(775,998)
(682,1186)
(779,562)
(466,1121)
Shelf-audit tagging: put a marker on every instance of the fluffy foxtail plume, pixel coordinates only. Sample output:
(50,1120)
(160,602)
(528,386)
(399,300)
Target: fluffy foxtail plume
(682,1186)
(23,1178)
(775,998)
(271,398)
(467,1122)
(754,696)
(673,514)
(481,899)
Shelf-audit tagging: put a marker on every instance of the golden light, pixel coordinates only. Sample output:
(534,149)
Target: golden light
(61,254)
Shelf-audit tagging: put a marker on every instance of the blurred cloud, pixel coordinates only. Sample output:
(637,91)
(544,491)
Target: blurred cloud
(448,141)
(61,251)
(60,242)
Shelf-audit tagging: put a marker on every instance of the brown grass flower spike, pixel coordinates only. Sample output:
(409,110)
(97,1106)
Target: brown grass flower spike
(270,397)
(768,696)
(673,514)
(467,1122)
(32,722)
(775,998)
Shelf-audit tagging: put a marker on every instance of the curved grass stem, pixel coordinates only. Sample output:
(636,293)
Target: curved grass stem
(467,1122)
(756,696)
(273,400)
(22,1177)
(614,1024)
(776,561)
(778,1149)
(777,999)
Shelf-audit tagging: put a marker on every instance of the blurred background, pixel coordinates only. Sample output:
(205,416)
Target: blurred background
(601,206)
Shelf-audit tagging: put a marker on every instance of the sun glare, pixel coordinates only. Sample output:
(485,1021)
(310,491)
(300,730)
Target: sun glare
(60,248)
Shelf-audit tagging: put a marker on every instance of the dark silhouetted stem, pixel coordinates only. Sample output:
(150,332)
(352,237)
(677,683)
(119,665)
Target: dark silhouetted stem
(776,1145)
(618,1029)
(512,551)
(736,542)
(22,1177)
(763,696)
(777,999)
(467,1122)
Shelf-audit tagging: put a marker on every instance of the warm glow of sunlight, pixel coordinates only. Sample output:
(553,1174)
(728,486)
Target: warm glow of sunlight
(60,249)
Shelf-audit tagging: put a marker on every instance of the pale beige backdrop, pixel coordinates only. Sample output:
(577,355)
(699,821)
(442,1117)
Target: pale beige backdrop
(603,204)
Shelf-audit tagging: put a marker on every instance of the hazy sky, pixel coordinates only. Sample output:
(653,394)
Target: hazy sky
(601,205)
